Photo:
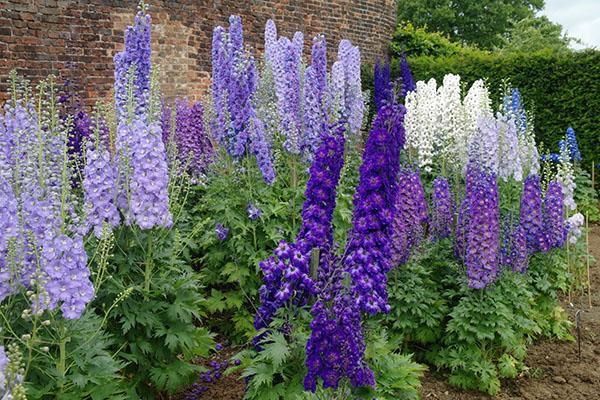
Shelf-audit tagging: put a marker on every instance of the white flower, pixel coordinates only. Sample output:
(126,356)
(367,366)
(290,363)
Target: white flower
(574,224)
(565,176)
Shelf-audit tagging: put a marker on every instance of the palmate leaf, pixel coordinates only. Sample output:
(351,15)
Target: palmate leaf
(261,373)
(275,349)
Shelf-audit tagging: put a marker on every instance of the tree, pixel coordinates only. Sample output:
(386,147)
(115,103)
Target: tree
(482,23)
(534,34)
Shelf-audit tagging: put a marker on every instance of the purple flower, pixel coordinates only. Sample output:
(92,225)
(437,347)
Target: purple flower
(483,230)
(315,116)
(443,209)
(514,250)
(193,146)
(221,231)
(100,189)
(136,57)
(253,212)
(408,83)
(553,213)
(382,81)
(531,215)
(319,65)
(270,41)
(9,228)
(409,217)
(368,247)
(349,57)
(261,150)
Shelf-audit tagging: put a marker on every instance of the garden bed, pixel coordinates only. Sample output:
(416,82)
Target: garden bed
(555,371)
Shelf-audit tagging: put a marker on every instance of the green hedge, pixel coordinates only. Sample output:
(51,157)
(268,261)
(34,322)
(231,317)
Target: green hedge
(561,90)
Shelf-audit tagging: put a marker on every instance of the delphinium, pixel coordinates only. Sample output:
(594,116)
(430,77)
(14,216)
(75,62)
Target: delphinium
(421,123)
(451,131)
(140,150)
(368,245)
(382,82)
(353,103)
(410,215)
(235,124)
(482,253)
(12,373)
(513,108)
(509,157)
(565,176)
(100,185)
(442,213)
(408,83)
(483,146)
(531,215)
(286,274)
(571,143)
(514,250)
(574,224)
(193,145)
(554,224)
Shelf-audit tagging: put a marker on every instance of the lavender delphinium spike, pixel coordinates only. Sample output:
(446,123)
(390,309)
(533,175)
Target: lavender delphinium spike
(349,55)
(100,188)
(368,245)
(553,213)
(261,150)
(319,64)
(483,233)
(137,56)
(514,250)
(193,147)
(315,116)
(220,84)
(531,215)
(443,209)
(9,228)
(270,41)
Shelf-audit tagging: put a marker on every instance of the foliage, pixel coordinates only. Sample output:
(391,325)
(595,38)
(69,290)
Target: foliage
(585,196)
(480,23)
(533,34)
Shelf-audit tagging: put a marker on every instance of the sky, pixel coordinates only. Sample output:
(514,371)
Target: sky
(580,18)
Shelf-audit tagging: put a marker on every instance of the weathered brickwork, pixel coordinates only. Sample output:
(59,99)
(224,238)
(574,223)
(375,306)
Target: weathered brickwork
(78,39)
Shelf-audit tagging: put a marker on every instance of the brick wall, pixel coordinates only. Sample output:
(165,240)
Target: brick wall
(78,39)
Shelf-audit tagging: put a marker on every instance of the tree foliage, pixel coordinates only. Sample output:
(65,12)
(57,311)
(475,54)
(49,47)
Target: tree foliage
(476,22)
(535,34)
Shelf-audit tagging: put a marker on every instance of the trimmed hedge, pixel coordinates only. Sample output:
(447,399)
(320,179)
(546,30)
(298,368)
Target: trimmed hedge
(561,90)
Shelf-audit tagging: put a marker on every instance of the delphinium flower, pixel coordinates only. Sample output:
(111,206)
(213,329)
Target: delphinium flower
(382,83)
(65,264)
(314,113)
(531,215)
(368,245)
(259,145)
(574,224)
(241,90)
(100,188)
(482,254)
(513,107)
(451,133)
(336,91)
(336,345)
(319,65)
(193,146)
(166,117)
(514,250)
(571,142)
(221,66)
(565,176)
(147,197)
(287,273)
(12,373)
(508,152)
(483,146)
(349,56)
(477,104)
(421,123)
(10,232)
(462,225)
(410,215)
(136,57)
(270,41)
(408,83)
(221,231)
(554,223)
(253,212)
(442,213)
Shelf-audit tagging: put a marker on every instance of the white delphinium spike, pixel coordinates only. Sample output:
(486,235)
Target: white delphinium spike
(451,120)
(565,176)
(508,152)
(420,122)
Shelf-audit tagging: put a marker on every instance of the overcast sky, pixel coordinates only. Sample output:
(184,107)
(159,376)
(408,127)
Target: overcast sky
(580,18)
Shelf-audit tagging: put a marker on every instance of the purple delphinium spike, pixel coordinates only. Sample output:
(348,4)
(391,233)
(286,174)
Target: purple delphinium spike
(483,149)
(531,215)
(442,210)
(100,189)
(9,228)
(270,41)
(287,272)
(554,222)
(315,116)
(367,259)
(409,216)
(193,146)
(319,63)
(259,146)
(514,250)
(408,83)
(571,141)
(137,55)
(483,233)
(382,83)
(349,56)
(221,67)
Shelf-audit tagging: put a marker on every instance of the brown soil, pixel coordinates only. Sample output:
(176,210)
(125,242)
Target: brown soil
(555,370)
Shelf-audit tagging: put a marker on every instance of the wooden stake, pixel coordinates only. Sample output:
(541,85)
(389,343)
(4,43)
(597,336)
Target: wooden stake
(587,256)
(569,271)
